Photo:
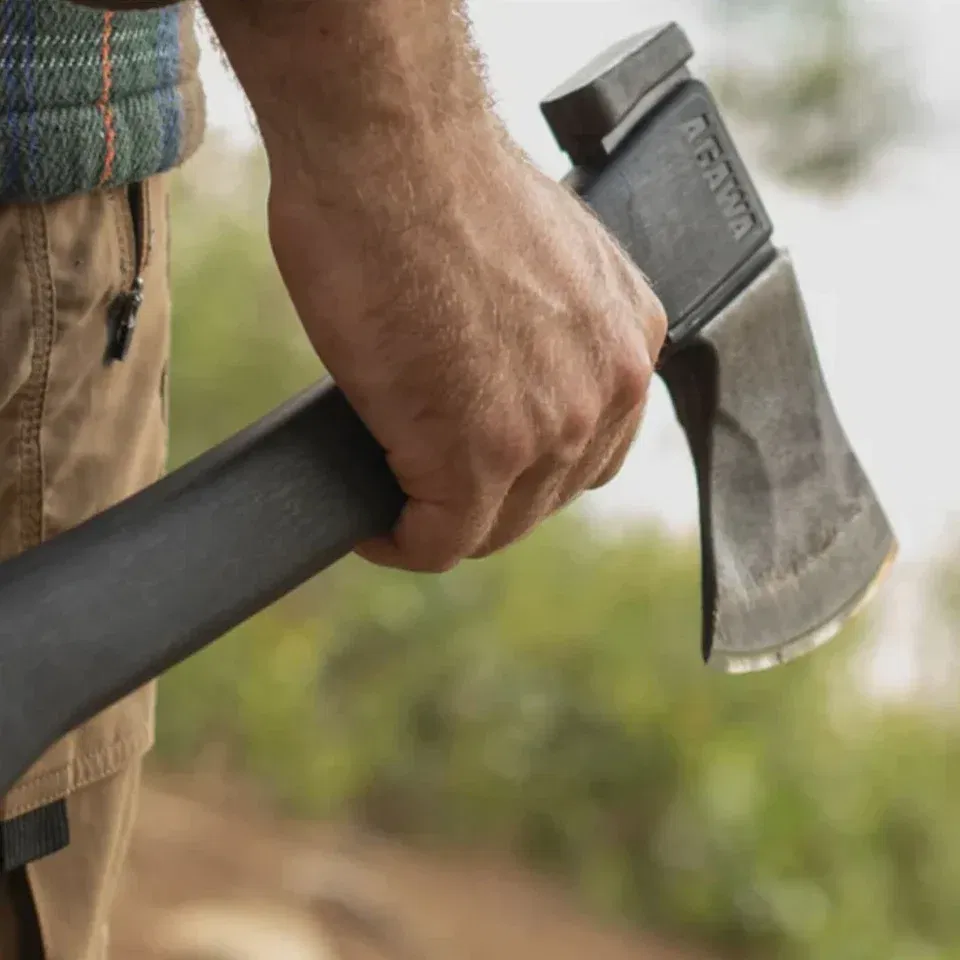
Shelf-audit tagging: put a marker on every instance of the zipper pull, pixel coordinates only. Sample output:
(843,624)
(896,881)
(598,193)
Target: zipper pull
(123,321)
(123,312)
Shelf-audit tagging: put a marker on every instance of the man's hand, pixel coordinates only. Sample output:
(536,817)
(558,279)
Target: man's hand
(488,330)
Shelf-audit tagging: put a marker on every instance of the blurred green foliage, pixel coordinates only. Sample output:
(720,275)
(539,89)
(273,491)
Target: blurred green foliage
(237,347)
(820,88)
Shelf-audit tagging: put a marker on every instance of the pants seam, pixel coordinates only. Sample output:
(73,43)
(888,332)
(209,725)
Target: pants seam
(34,397)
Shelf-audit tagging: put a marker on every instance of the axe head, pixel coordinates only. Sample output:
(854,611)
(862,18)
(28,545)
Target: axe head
(793,538)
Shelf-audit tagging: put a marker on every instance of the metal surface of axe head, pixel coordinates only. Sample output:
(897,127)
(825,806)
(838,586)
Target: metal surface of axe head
(793,539)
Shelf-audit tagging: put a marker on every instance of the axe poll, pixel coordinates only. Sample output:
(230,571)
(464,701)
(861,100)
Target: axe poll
(793,538)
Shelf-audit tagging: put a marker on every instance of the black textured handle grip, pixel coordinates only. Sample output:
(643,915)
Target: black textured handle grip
(93,614)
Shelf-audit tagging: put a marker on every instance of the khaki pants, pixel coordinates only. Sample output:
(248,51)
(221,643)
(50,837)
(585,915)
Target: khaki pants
(77,434)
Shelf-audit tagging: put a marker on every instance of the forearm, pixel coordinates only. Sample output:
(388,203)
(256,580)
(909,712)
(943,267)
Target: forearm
(355,89)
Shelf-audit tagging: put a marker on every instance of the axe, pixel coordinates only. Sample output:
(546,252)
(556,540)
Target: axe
(793,538)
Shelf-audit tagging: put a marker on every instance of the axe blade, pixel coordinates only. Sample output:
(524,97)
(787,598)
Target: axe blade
(793,538)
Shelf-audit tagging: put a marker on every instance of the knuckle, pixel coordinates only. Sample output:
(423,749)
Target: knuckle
(578,428)
(632,376)
(507,448)
(656,322)
(607,475)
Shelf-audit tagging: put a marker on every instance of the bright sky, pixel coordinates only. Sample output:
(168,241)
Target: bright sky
(877,269)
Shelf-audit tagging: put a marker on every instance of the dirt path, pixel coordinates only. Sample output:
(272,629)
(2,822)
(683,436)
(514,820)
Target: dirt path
(216,880)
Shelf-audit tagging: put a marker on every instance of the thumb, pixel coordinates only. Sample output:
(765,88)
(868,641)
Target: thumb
(429,537)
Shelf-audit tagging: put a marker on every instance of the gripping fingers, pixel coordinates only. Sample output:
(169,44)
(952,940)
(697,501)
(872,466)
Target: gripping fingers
(627,435)
(434,537)
(535,496)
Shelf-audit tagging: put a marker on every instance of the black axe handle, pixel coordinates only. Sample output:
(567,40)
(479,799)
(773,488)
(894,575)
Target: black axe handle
(88,617)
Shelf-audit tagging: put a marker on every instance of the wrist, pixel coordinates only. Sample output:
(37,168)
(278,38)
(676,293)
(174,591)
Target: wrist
(370,224)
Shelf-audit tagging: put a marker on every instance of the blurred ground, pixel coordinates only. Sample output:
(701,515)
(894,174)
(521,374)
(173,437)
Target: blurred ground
(213,877)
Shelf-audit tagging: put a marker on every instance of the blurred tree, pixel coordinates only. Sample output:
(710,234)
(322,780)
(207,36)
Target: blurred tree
(938,653)
(817,85)
(238,348)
